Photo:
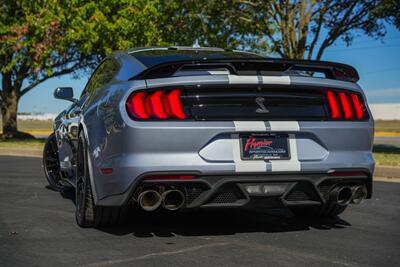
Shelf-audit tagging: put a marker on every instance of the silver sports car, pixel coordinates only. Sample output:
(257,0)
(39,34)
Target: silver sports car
(180,128)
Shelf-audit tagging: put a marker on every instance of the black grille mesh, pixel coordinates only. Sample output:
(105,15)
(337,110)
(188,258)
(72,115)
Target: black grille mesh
(224,197)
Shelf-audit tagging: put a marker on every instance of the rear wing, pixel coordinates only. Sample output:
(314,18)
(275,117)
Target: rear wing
(262,66)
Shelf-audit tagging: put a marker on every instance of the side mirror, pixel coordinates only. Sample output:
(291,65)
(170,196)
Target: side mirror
(65,93)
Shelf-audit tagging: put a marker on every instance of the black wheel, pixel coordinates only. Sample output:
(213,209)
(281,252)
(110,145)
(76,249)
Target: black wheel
(87,214)
(329,210)
(51,163)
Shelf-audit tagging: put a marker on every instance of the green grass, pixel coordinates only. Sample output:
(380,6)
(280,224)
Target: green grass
(387,126)
(28,144)
(29,125)
(386,155)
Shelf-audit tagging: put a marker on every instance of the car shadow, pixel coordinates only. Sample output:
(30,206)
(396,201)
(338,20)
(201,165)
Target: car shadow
(213,222)
(219,222)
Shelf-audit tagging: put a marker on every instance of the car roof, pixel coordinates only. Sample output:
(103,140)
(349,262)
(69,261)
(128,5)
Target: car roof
(153,56)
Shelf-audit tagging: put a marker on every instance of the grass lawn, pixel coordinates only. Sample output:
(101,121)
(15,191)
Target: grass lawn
(28,144)
(387,126)
(389,156)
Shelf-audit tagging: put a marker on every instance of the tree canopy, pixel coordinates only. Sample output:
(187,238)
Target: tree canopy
(47,38)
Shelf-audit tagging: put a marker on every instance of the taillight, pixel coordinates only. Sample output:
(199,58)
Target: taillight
(335,114)
(159,104)
(358,107)
(170,177)
(343,105)
(135,105)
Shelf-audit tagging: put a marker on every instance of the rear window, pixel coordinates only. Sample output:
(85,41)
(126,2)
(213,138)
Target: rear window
(151,58)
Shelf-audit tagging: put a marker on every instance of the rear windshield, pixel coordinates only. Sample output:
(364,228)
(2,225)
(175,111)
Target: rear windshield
(151,58)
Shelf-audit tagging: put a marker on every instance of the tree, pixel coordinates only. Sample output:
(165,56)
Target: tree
(216,23)
(304,29)
(389,10)
(47,38)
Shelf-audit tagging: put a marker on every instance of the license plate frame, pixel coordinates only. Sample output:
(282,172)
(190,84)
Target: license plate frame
(266,146)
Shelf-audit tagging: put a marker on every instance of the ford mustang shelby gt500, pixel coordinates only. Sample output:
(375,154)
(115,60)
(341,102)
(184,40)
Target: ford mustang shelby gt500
(182,128)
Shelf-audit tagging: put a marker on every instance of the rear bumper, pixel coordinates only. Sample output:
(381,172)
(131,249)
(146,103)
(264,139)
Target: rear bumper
(224,191)
(211,149)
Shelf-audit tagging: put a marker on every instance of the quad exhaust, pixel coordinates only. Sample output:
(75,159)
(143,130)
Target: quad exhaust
(149,200)
(173,199)
(344,195)
(359,194)
(341,195)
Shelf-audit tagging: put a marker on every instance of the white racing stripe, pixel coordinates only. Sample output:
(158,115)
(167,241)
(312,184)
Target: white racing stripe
(261,166)
(236,79)
(288,165)
(245,166)
(275,80)
(249,126)
(277,126)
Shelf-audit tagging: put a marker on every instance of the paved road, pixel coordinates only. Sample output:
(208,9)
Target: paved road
(37,228)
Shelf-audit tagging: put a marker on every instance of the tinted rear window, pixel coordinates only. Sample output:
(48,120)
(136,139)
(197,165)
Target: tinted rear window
(151,58)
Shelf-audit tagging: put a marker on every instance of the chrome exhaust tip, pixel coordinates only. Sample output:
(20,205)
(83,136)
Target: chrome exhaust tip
(359,194)
(173,199)
(149,200)
(341,195)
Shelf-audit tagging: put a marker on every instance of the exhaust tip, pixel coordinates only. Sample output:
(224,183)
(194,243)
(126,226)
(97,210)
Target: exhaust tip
(173,199)
(149,200)
(342,195)
(359,194)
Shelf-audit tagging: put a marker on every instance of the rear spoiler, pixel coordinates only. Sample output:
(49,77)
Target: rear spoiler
(262,66)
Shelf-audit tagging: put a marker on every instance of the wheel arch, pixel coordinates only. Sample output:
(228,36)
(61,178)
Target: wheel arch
(83,128)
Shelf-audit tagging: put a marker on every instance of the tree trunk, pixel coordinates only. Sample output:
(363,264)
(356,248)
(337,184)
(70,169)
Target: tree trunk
(9,114)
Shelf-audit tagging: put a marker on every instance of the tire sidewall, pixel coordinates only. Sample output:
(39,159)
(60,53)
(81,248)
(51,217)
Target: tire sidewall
(84,216)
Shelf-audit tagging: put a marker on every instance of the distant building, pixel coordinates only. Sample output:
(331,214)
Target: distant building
(40,117)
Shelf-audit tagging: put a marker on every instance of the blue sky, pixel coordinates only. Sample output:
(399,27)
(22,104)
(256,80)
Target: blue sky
(377,61)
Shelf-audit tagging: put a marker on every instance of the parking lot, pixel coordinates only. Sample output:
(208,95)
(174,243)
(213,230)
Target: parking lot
(37,228)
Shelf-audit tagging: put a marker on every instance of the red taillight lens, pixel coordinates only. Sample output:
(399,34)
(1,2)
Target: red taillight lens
(173,104)
(158,105)
(335,114)
(155,106)
(136,107)
(358,107)
(345,105)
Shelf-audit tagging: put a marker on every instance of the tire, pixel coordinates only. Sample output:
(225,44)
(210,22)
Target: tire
(51,164)
(87,214)
(329,210)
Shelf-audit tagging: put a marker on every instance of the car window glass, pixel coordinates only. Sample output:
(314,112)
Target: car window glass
(103,75)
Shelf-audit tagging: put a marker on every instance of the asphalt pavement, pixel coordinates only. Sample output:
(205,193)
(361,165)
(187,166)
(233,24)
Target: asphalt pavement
(37,228)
